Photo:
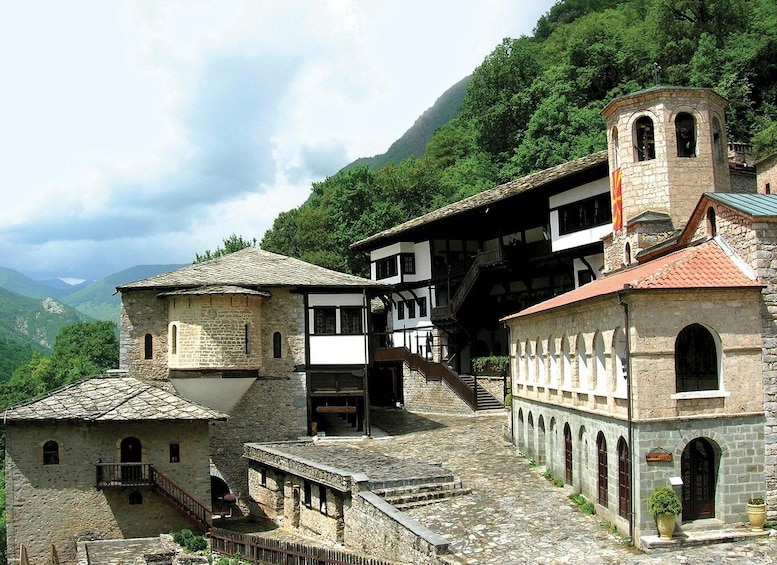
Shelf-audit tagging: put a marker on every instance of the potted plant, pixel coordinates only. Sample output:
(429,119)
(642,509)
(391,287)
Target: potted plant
(756,513)
(664,505)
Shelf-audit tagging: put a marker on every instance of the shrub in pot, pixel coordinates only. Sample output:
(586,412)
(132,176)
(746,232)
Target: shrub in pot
(665,505)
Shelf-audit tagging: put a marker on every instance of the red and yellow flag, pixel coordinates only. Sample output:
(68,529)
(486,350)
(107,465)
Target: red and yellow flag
(617,200)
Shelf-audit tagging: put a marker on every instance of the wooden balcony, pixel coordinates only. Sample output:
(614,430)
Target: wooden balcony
(124,475)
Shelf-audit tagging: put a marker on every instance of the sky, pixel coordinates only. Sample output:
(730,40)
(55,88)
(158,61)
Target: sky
(144,132)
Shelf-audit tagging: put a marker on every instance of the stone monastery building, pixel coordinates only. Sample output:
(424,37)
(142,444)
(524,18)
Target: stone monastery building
(660,372)
(632,289)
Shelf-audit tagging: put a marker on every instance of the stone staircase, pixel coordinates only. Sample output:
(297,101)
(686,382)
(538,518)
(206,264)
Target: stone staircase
(485,400)
(406,496)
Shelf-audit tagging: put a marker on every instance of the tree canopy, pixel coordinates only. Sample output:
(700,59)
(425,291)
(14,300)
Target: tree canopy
(535,102)
(231,244)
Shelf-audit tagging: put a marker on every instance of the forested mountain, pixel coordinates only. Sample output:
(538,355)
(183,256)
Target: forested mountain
(24,285)
(33,322)
(535,101)
(413,142)
(100,301)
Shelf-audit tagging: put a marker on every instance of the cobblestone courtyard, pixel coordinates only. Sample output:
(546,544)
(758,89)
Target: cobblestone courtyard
(513,514)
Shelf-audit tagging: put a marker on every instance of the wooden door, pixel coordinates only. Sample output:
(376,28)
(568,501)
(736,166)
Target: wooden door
(698,471)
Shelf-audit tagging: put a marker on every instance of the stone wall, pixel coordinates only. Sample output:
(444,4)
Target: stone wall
(655,325)
(141,313)
(421,395)
(737,442)
(755,242)
(215,331)
(374,527)
(58,504)
(273,409)
(767,174)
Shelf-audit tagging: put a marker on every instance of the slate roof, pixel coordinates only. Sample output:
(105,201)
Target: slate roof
(251,268)
(490,196)
(755,205)
(708,265)
(104,399)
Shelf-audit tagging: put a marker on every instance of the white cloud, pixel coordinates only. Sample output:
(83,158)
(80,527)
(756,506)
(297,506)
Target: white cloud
(144,132)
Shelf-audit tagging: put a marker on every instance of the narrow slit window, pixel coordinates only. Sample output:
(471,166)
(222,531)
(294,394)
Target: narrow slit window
(175,453)
(148,347)
(276,345)
(174,339)
(246,340)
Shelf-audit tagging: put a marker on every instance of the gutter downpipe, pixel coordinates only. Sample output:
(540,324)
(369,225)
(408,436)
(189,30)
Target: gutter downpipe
(629,417)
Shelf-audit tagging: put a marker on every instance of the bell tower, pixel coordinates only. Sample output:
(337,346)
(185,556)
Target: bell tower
(666,147)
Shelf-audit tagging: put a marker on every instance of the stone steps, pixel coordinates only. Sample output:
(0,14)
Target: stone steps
(486,400)
(411,496)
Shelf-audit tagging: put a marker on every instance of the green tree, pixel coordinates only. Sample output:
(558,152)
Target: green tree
(231,244)
(765,141)
(82,350)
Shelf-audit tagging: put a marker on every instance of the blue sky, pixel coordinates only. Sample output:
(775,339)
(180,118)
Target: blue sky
(145,132)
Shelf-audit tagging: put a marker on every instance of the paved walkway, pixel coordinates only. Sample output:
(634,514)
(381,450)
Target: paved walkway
(513,514)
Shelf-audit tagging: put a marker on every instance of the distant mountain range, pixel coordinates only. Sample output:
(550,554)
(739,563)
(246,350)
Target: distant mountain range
(32,312)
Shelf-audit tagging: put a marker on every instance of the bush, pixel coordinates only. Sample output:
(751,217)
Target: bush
(664,501)
(192,543)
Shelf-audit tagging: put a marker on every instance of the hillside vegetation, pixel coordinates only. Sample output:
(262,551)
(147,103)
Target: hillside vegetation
(535,102)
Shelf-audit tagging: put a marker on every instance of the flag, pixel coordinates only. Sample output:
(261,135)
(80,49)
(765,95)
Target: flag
(617,200)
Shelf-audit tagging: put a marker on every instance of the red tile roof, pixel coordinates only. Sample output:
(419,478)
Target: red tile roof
(705,266)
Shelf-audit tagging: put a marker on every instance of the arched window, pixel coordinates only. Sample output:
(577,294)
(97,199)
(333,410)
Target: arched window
(620,362)
(566,363)
(644,140)
(276,345)
(148,347)
(615,149)
(583,374)
(531,360)
(601,370)
(685,131)
(541,376)
(51,453)
(624,479)
(135,498)
(553,361)
(567,454)
(712,224)
(601,464)
(627,254)
(174,339)
(695,359)
(717,140)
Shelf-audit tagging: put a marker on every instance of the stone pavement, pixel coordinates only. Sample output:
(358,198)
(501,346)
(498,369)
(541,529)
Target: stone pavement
(514,515)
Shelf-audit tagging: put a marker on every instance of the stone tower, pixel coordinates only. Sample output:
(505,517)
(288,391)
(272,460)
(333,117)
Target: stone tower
(668,145)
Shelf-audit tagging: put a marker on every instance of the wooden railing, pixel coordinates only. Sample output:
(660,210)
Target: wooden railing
(431,371)
(182,500)
(123,475)
(144,474)
(482,260)
(275,552)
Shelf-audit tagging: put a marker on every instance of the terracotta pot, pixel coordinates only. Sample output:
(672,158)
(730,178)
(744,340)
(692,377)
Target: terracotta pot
(756,513)
(666,523)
